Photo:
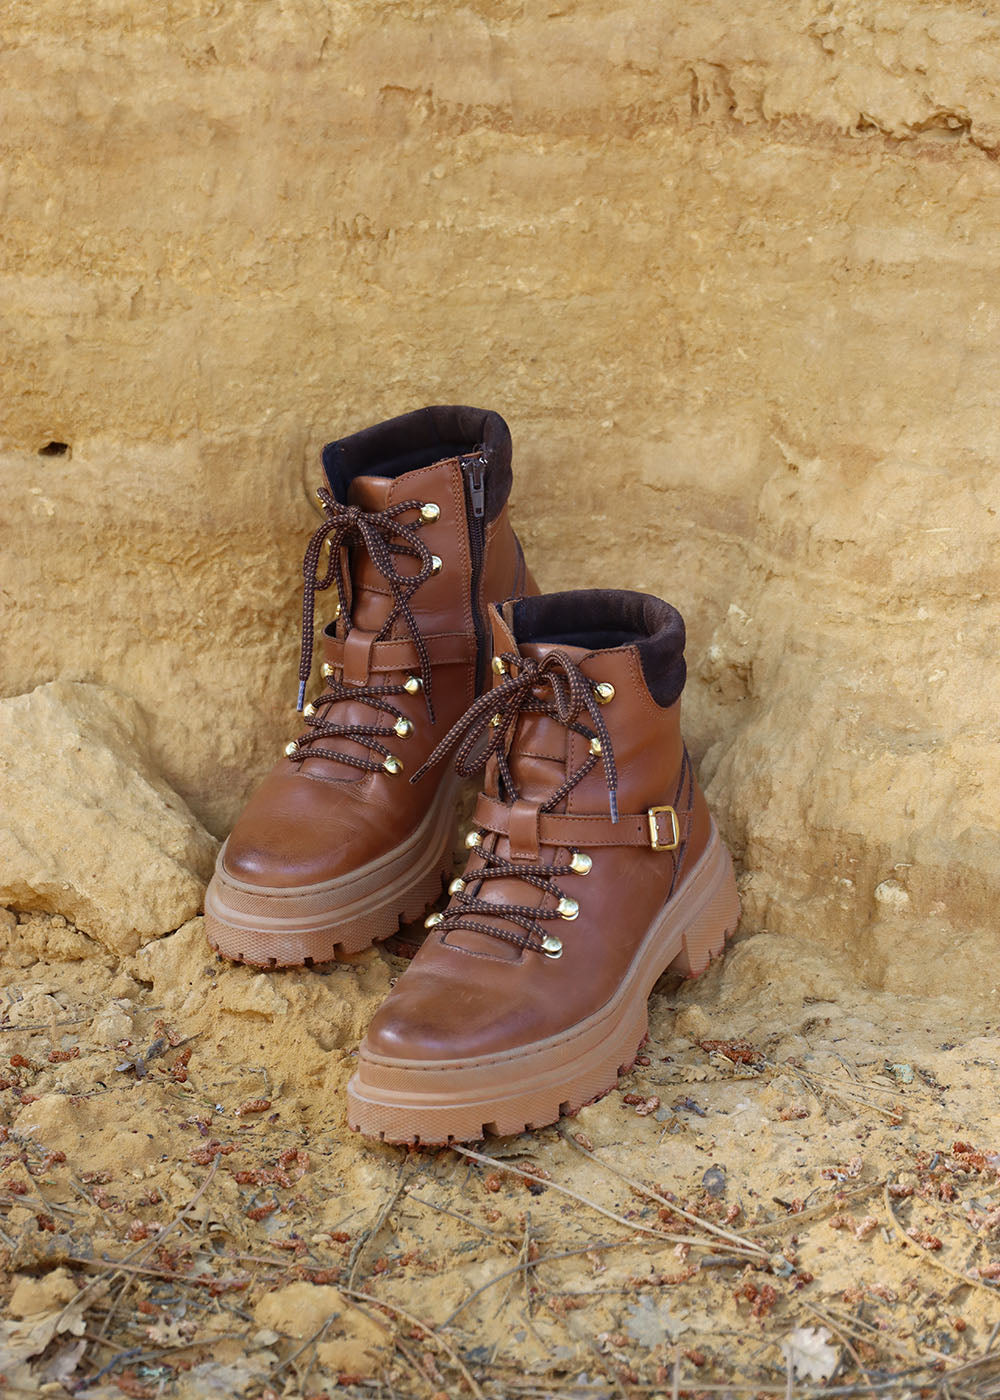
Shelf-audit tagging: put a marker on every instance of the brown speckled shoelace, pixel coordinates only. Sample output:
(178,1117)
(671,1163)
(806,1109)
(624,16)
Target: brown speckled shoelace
(493,717)
(383,534)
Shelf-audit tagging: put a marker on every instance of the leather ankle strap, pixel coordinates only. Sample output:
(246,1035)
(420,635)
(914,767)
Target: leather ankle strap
(445,649)
(658,828)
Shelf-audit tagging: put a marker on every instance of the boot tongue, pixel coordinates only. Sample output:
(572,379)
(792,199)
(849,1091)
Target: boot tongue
(369,492)
(371,602)
(537,754)
(540,649)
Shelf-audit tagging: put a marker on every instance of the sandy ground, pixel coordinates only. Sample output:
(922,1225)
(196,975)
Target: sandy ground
(812,1198)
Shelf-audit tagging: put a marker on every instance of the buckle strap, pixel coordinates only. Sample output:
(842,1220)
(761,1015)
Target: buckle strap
(445,649)
(658,828)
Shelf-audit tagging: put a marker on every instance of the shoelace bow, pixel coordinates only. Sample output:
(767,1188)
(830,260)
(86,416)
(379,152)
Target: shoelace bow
(383,535)
(494,716)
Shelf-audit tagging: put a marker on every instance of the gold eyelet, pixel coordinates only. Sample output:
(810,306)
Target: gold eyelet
(604,691)
(595,746)
(457,886)
(392,764)
(402,727)
(291,749)
(499,666)
(496,721)
(580,863)
(552,946)
(433,920)
(473,840)
(309,710)
(430,512)
(326,670)
(436,564)
(412,685)
(567,909)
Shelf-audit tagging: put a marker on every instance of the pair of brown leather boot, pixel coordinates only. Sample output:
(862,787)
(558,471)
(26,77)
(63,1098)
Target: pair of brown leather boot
(593,862)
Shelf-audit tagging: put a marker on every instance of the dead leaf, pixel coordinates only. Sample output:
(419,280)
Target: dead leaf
(808,1351)
(171,1333)
(20,1341)
(651,1322)
(60,1367)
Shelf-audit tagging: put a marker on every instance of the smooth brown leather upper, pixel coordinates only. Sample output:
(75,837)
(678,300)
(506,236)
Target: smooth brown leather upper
(318,819)
(467,994)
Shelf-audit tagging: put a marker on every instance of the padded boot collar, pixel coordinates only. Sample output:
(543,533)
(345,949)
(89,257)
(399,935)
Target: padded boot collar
(598,619)
(419,439)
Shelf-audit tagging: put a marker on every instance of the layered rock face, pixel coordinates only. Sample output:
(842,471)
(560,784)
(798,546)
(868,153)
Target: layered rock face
(730,275)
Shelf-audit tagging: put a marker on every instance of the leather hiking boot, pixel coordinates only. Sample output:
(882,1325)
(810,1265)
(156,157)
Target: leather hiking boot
(594,865)
(337,845)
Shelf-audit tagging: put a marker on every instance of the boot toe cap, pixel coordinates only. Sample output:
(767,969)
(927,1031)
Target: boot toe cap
(296,831)
(424,1020)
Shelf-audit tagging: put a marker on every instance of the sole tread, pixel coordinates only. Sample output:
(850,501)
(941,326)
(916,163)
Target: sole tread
(234,948)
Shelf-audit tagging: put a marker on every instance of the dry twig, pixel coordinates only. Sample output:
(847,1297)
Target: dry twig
(645,1190)
(364,1239)
(963,1279)
(424,1327)
(542,1259)
(502,1240)
(754,1252)
(108,1273)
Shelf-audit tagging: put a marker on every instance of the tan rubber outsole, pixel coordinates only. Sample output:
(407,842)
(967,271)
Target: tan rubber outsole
(434,1103)
(309,924)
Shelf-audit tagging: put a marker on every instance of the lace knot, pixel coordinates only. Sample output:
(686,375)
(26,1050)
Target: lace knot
(383,534)
(494,716)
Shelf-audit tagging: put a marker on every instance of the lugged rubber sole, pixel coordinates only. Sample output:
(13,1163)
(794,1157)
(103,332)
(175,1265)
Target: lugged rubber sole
(309,924)
(434,1103)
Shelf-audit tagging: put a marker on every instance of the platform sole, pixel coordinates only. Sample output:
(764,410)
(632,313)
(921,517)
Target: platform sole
(309,924)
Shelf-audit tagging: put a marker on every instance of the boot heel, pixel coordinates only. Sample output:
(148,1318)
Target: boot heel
(705,936)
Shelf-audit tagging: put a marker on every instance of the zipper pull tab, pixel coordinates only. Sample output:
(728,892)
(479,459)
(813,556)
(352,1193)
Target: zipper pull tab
(477,486)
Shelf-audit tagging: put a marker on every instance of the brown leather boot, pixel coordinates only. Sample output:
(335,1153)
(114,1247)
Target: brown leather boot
(337,845)
(594,865)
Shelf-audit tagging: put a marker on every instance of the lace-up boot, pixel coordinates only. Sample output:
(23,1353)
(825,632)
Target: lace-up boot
(594,865)
(337,845)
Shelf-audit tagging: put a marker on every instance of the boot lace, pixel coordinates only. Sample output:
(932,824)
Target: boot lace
(384,534)
(554,686)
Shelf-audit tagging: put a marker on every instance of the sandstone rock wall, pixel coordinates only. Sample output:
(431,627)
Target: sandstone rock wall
(729,271)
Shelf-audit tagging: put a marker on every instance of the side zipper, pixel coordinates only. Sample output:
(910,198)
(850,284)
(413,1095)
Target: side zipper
(474,471)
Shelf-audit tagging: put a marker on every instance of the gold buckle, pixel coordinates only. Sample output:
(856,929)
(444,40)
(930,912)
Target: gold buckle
(654,831)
